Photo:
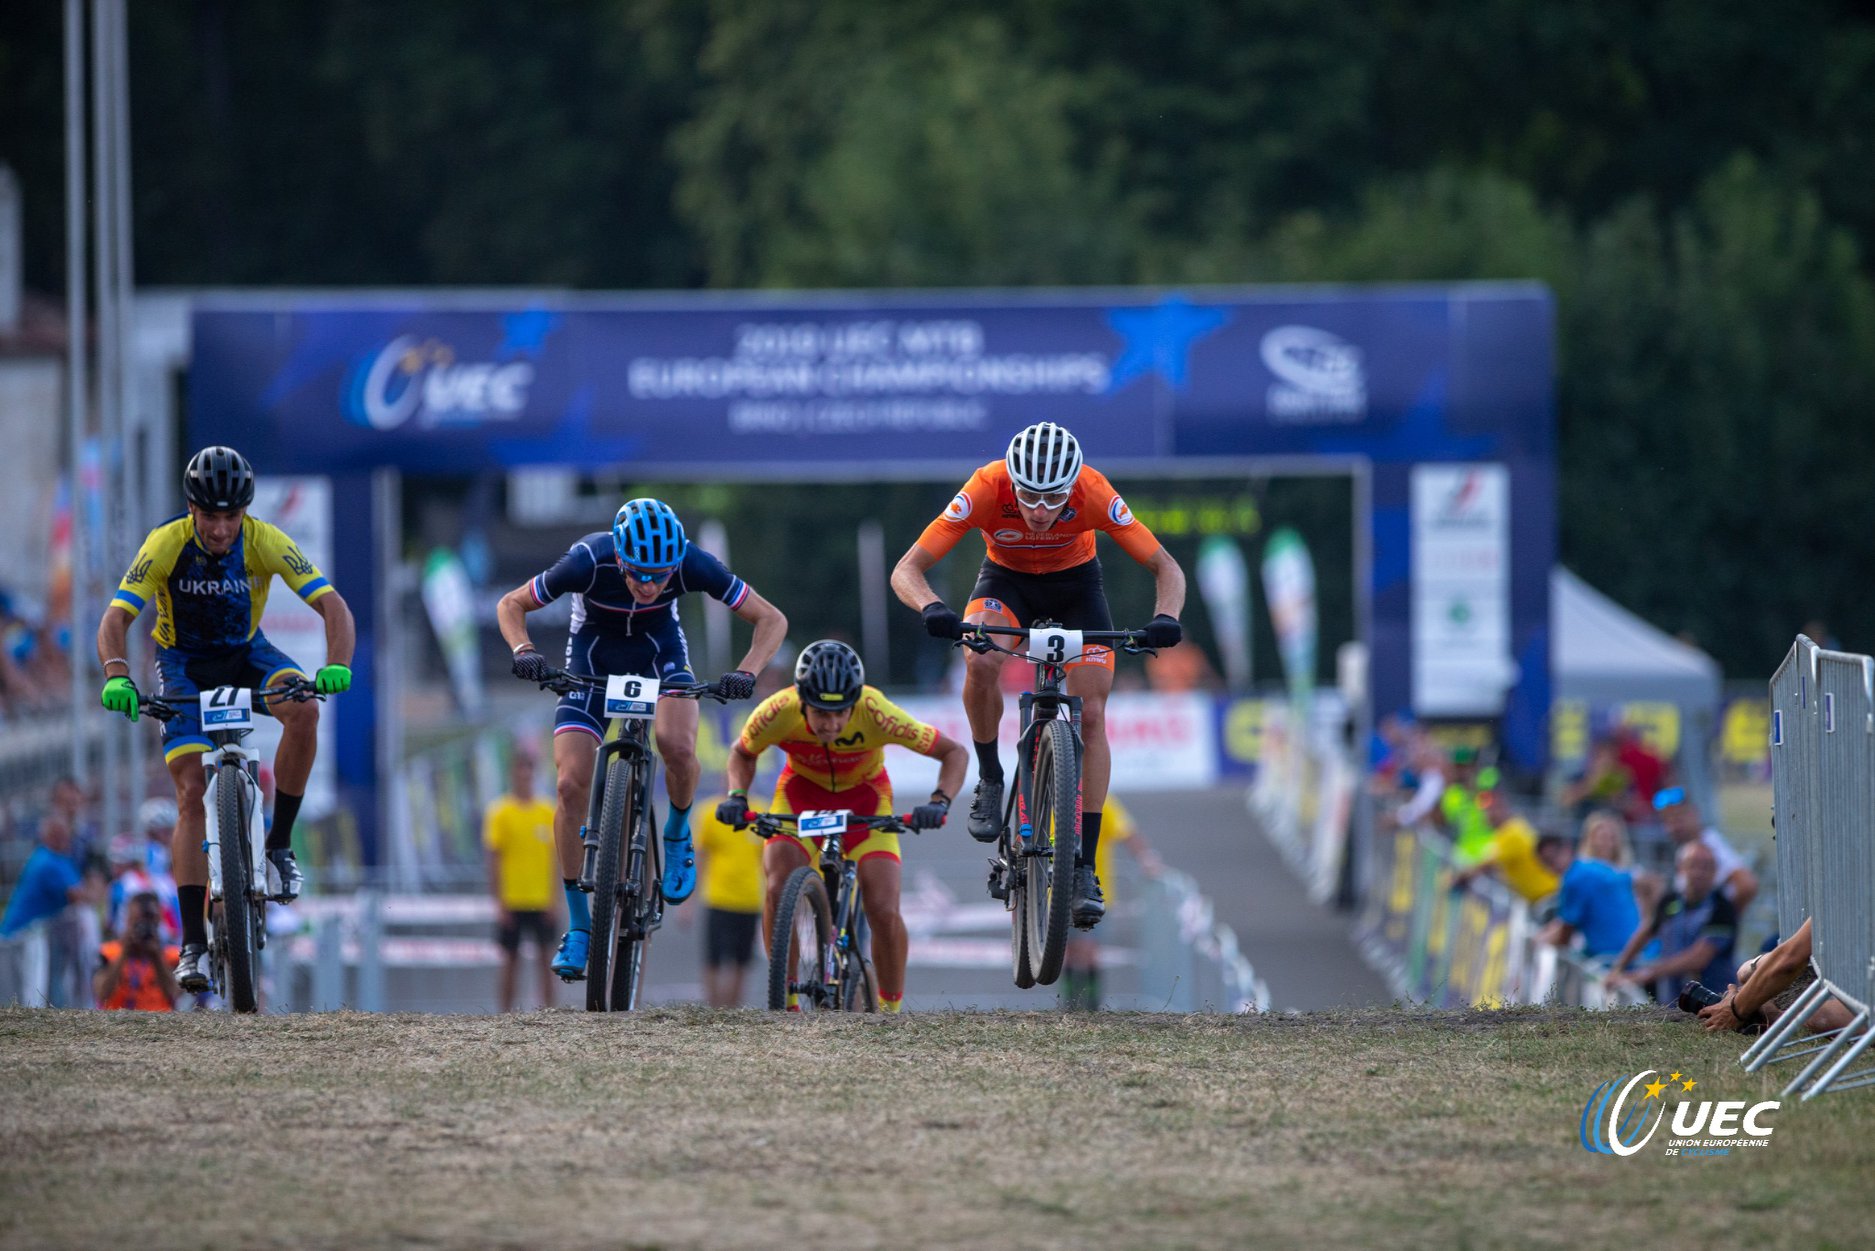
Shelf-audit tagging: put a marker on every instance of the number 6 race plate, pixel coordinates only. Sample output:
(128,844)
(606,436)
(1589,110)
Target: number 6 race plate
(1055,646)
(814,826)
(629,696)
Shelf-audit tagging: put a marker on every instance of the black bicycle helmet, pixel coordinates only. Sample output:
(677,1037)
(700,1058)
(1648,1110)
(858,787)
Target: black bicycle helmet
(829,675)
(218,479)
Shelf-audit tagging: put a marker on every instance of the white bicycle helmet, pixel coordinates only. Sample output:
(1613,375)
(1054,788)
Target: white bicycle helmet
(1044,459)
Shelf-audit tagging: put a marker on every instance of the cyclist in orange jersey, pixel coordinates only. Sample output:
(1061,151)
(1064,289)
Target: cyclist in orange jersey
(1039,509)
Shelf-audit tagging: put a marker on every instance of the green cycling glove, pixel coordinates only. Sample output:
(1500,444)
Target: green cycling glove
(120,695)
(333,679)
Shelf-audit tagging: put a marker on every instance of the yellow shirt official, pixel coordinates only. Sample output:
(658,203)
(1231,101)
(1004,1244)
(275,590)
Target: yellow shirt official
(1116,826)
(1513,851)
(732,862)
(520,833)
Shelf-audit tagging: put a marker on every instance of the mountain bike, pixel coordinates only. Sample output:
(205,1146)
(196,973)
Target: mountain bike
(240,881)
(622,867)
(817,953)
(1040,839)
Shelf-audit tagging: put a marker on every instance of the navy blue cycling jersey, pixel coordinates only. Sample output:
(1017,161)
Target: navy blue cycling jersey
(590,573)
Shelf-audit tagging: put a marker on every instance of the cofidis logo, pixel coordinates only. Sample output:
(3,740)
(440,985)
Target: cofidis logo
(421,380)
(1617,1121)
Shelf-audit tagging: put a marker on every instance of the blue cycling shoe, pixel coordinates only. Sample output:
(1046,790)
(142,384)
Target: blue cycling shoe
(680,866)
(570,961)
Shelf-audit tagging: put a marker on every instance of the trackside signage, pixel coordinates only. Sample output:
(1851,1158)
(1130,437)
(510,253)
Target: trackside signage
(1658,1114)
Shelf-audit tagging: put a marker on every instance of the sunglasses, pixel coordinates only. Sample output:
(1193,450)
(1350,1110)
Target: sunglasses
(647,577)
(1029,499)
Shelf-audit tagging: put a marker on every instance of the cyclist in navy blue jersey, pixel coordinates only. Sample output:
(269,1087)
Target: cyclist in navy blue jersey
(625,585)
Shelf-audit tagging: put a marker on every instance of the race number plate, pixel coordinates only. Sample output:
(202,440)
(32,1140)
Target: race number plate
(814,826)
(228,708)
(1054,645)
(629,696)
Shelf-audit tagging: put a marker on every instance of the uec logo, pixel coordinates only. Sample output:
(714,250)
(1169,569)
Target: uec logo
(1611,1127)
(409,378)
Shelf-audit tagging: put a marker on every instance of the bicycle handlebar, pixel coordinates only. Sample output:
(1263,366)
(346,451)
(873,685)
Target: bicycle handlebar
(560,682)
(770,823)
(1132,642)
(295,690)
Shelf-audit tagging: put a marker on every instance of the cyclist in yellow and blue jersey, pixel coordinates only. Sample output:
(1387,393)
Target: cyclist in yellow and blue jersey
(834,730)
(208,573)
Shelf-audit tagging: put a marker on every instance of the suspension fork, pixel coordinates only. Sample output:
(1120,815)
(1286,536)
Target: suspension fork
(589,833)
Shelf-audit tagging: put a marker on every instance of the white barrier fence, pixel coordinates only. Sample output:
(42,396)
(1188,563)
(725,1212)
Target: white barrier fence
(1823,786)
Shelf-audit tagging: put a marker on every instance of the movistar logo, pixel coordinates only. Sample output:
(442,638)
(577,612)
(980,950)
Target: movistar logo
(852,740)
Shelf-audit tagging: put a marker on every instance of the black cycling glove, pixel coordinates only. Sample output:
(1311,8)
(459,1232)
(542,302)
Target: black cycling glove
(530,665)
(930,816)
(736,684)
(1164,631)
(940,622)
(734,811)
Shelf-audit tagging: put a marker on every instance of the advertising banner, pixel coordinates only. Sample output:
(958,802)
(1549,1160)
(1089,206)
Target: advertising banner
(301,506)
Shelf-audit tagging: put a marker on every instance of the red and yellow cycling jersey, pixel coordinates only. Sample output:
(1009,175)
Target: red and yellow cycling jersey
(988,503)
(856,756)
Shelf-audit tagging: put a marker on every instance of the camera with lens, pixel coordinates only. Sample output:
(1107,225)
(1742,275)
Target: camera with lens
(1697,995)
(144,933)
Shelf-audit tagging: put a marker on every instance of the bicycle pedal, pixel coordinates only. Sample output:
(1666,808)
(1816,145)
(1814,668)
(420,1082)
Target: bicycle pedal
(999,881)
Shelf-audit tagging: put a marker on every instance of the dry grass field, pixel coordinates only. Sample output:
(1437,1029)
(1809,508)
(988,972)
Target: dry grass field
(691,1128)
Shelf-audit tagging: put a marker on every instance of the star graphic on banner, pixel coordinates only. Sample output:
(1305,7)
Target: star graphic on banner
(1673,1077)
(1159,340)
(1654,1089)
(1688,1084)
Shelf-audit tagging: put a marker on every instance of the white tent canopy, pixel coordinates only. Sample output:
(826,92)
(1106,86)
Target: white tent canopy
(1601,652)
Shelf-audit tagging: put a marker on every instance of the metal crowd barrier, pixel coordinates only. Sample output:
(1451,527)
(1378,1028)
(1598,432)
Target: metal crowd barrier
(1823,806)
(1195,956)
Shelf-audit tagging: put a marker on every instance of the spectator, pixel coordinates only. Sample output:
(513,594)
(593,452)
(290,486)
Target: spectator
(1679,816)
(1605,838)
(1647,769)
(1769,984)
(51,882)
(730,870)
(1459,813)
(1594,901)
(1511,853)
(1603,783)
(1429,768)
(518,832)
(1696,928)
(136,971)
(1080,971)
(157,819)
(131,878)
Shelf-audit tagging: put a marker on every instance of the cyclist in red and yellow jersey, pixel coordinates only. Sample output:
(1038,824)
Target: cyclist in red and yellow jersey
(1039,509)
(834,730)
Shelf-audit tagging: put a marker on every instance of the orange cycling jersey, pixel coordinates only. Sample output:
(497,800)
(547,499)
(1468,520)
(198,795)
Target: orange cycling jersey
(988,503)
(856,756)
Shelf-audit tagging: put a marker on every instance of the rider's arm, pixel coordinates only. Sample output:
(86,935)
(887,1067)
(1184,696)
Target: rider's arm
(908,578)
(511,616)
(1168,583)
(740,774)
(113,641)
(953,759)
(341,629)
(976,501)
(771,627)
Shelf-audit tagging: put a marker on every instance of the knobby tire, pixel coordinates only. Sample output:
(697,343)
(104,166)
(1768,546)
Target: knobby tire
(644,900)
(1054,814)
(237,909)
(614,820)
(804,889)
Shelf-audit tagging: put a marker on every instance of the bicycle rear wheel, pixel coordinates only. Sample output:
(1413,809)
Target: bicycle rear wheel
(643,907)
(235,938)
(859,990)
(797,953)
(1054,813)
(607,901)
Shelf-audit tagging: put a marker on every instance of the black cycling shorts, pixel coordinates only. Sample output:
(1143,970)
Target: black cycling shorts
(520,921)
(729,937)
(1075,598)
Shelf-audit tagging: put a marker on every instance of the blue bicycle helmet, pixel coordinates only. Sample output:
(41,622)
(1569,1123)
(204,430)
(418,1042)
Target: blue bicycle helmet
(648,535)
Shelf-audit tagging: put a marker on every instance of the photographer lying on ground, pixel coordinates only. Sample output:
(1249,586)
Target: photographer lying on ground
(1770,984)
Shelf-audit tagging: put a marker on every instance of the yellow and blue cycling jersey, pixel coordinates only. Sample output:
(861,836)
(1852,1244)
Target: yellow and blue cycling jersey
(207,604)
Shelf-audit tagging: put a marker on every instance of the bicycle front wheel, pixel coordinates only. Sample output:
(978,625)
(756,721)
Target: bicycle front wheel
(1054,812)
(615,818)
(797,953)
(643,905)
(235,939)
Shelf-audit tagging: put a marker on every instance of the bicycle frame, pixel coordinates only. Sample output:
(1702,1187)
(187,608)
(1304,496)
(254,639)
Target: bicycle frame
(633,744)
